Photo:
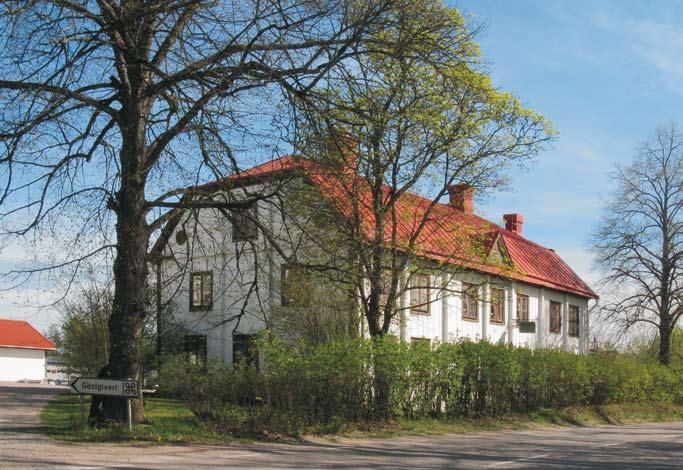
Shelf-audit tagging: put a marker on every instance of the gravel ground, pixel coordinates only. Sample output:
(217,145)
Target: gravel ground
(652,446)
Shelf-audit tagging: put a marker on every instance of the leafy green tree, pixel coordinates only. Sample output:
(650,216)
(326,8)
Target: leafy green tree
(419,114)
(85,333)
(84,338)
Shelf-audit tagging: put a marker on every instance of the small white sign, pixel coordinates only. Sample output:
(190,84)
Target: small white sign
(110,387)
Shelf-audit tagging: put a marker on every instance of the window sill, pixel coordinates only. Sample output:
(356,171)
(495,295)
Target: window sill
(473,320)
(497,322)
(201,309)
(418,313)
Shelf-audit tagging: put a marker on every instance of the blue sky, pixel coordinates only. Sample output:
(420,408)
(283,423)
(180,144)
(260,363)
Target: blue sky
(606,73)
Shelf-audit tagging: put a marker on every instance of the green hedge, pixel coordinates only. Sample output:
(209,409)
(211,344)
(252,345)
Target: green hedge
(328,385)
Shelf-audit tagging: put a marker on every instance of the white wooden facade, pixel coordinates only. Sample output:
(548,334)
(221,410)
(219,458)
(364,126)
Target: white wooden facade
(237,309)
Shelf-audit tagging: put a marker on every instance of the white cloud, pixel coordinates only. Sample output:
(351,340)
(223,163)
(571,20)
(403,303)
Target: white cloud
(32,305)
(581,261)
(658,43)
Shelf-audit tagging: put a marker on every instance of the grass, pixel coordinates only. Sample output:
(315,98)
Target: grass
(170,421)
(570,416)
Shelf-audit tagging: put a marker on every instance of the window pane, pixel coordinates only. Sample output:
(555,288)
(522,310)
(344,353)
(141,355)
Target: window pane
(522,307)
(207,290)
(573,320)
(244,350)
(196,290)
(244,224)
(555,317)
(497,306)
(194,347)
(419,294)
(469,301)
(299,286)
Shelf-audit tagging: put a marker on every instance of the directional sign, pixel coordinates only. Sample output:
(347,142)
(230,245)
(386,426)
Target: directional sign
(111,387)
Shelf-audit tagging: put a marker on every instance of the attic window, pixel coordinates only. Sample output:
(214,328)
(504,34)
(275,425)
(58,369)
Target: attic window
(244,224)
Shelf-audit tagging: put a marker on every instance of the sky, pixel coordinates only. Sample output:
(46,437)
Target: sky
(606,73)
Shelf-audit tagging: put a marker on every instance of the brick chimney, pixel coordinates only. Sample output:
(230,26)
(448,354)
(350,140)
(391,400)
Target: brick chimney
(460,196)
(513,222)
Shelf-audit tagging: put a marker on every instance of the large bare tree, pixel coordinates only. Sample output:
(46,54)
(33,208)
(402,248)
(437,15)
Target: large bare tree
(638,245)
(109,109)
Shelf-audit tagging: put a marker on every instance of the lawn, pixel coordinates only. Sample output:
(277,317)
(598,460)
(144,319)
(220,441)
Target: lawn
(570,416)
(170,421)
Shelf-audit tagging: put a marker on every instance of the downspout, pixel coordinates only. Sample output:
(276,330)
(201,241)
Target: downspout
(565,323)
(511,314)
(541,319)
(444,308)
(159,307)
(402,317)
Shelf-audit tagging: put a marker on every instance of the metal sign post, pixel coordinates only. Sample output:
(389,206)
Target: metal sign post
(80,397)
(109,387)
(130,415)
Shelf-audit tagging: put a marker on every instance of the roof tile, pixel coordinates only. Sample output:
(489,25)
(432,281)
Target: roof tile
(20,334)
(449,235)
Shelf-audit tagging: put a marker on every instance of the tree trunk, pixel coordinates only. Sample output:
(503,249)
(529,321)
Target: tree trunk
(664,344)
(130,275)
(381,382)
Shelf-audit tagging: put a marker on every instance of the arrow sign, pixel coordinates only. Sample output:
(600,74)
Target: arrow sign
(110,387)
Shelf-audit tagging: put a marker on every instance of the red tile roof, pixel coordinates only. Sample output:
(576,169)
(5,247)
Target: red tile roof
(449,235)
(20,334)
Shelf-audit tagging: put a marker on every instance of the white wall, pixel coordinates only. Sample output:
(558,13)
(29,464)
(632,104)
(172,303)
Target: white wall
(21,364)
(237,306)
(215,251)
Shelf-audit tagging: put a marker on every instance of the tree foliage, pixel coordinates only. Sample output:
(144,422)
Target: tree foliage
(325,387)
(418,114)
(111,109)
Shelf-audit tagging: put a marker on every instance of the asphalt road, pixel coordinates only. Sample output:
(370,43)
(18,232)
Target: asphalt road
(652,446)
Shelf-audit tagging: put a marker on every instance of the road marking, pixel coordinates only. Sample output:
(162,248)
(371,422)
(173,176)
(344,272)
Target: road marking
(540,456)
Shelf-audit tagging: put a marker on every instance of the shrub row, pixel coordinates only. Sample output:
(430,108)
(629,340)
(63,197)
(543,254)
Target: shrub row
(362,380)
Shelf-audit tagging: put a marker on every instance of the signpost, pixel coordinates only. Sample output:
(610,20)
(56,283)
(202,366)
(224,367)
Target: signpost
(110,387)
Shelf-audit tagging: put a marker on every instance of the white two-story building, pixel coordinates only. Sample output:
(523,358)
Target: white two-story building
(222,272)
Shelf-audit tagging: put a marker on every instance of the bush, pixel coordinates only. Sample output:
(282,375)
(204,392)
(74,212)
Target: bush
(325,386)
